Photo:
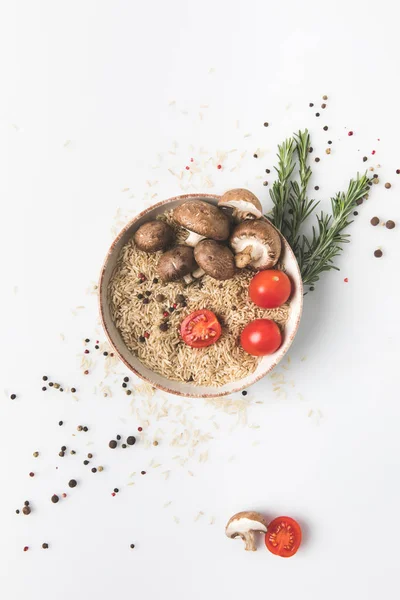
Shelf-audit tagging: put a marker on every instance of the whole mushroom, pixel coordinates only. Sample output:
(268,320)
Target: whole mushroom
(256,244)
(176,263)
(154,236)
(244,204)
(213,259)
(244,525)
(202,220)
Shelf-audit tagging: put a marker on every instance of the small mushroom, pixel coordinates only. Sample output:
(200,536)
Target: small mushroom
(256,244)
(176,263)
(244,525)
(202,220)
(214,259)
(244,203)
(153,236)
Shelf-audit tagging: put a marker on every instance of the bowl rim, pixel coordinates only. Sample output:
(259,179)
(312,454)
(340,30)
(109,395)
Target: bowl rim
(161,387)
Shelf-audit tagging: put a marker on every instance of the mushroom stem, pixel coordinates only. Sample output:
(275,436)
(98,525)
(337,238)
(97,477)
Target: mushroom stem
(243,258)
(250,543)
(196,274)
(243,215)
(194,238)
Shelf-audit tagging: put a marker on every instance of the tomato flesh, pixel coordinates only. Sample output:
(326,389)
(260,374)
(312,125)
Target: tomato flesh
(200,329)
(270,289)
(261,337)
(283,537)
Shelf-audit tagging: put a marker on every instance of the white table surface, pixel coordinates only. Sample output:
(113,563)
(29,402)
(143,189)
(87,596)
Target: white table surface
(97,97)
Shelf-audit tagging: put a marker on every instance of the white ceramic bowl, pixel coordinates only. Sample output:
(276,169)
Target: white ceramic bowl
(176,387)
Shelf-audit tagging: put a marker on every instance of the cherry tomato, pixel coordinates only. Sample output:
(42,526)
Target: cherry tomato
(283,536)
(261,337)
(200,329)
(270,289)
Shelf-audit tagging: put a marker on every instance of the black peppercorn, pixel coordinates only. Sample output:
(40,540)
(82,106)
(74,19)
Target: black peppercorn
(55,498)
(355,213)
(105,353)
(87,340)
(26,503)
(123,445)
(51,384)
(94,470)
(60,423)
(124,385)
(126,379)
(326,128)
(171,309)
(311,149)
(13,396)
(73,390)
(130,440)
(148,293)
(90,455)
(317,114)
(146,301)
(163,327)
(63,448)
(61,390)
(45,378)
(85,462)
(17,511)
(62,453)
(244,393)
(132,546)
(45,546)
(317,159)
(112,444)
(266,124)
(97,347)
(390,224)
(255,155)
(44,389)
(140,296)
(142,339)
(311,104)
(265,183)
(72,483)
(329,141)
(116,490)
(155,280)
(85,428)
(26,510)
(378,253)
(118,437)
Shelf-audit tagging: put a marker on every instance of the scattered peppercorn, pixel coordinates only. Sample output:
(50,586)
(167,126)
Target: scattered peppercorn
(388,186)
(329,142)
(265,183)
(90,455)
(390,224)
(140,428)
(55,499)
(132,546)
(311,104)
(146,334)
(375,180)
(79,428)
(26,548)
(355,213)
(325,97)
(61,390)
(87,340)
(72,483)
(86,351)
(26,503)
(45,378)
(72,452)
(312,289)
(317,159)
(155,280)
(317,114)
(17,511)
(160,298)
(105,353)
(378,253)
(124,385)
(155,443)
(268,170)
(350,133)
(97,347)
(180,298)
(13,396)
(118,437)
(60,423)
(365,158)
(323,105)
(266,124)
(359,201)
(146,301)
(116,490)
(140,296)
(142,339)
(57,385)
(45,546)
(73,390)
(86,372)
(128,392)
(164,327)
(123,445)
(131,440)
(112,444)
(219,166)
(316,187)
(36,454)
(31,474)
(26,510)
(165,314)
(85,428)
(255,155)
(62,454)
(326,128)
(398,171)
(86,462)
(51,384)
(244,393)
(171,309)
(94,470)
(100,468)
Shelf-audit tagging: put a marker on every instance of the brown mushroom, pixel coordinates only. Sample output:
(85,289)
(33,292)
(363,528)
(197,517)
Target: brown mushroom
(213,259)
(202,220)
(176,263)
(256,244)
(244,525)
(244,204)
(153,236)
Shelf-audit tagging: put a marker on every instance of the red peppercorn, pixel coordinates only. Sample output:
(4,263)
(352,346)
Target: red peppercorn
(175,305)
(86,351)
(31,474)
(64,495)
(187,168)
(146,334)
(142,276)
(346,280)
(192,160)
(143,472)
(373,152)
(86,372)
(398,171)
(26,548)
(219,166)
(350,133)
(112,493)
(140,428)
(165,314)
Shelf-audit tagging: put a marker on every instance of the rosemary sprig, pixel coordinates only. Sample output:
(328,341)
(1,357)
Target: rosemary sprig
(300,207)
(292,207)
(281,187)
(316,256)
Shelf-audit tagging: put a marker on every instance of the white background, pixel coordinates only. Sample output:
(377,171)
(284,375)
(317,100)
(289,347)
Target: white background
(94,96)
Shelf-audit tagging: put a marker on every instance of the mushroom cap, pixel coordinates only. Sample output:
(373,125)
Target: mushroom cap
(242,201)
(153,236)
(176,263)
(215,259)
(262,237)
(202,218)
(247,520)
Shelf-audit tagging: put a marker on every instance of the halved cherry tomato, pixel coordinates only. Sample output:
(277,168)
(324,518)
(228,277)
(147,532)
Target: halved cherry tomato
(200,329)
(261,337)
(270,289)
(283,536)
